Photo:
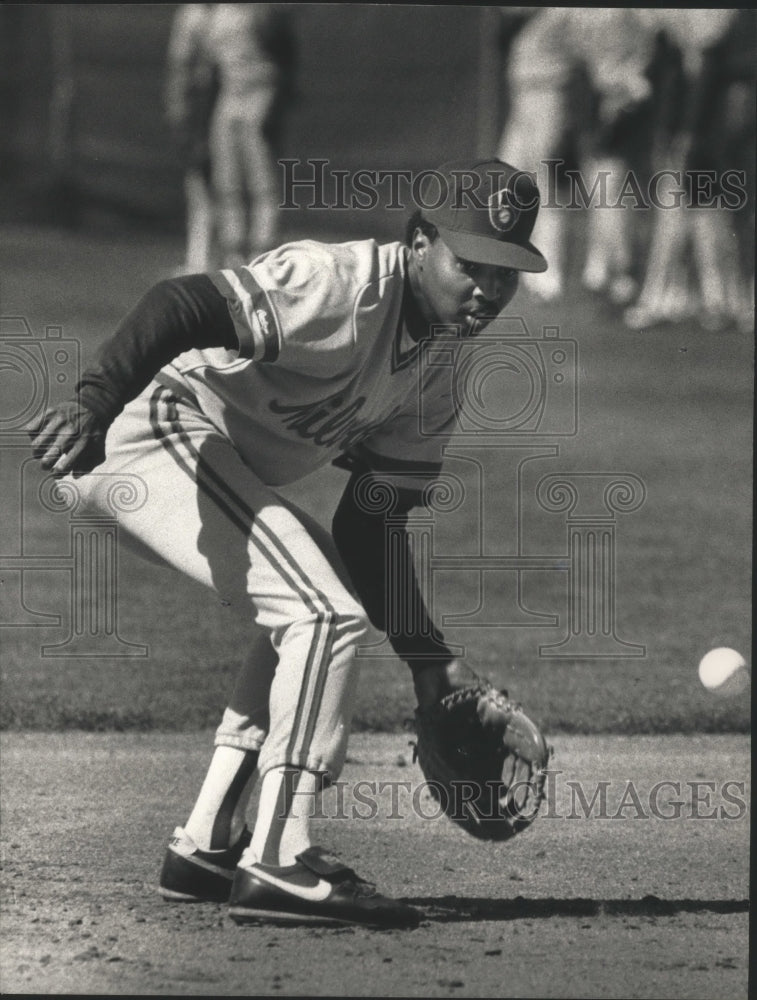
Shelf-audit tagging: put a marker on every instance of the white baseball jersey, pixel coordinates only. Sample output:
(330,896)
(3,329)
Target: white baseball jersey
(326,365)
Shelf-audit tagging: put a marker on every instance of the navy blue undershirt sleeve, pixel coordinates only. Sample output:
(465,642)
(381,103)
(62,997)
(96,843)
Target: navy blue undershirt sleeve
(360,540)
(176,315)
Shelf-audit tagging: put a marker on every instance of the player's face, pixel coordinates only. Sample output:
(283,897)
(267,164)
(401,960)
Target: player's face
(457,291)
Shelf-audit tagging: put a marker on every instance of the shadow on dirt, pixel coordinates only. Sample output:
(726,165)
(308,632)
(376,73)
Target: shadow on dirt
(448,909)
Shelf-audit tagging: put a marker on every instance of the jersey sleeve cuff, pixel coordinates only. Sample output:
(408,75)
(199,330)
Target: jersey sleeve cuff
(255,321)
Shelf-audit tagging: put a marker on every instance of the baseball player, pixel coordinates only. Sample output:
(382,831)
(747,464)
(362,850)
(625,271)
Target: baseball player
(217,389)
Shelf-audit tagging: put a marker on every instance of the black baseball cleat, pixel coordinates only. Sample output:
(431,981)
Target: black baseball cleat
(313,891)
(190,875)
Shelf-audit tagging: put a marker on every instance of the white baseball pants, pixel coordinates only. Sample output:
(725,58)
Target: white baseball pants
(208,515)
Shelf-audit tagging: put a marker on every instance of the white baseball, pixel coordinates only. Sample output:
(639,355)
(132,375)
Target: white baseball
(724,671)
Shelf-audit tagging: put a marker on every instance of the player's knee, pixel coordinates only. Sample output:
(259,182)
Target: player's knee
(353,619)
(348,622)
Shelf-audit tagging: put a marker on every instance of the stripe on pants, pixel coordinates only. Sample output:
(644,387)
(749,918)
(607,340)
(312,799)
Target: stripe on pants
(190,461)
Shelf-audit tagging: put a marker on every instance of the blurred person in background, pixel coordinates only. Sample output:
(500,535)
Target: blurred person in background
(700,259)
(577,84)
(190,92)
(253,46)
(620,64)
(545,113)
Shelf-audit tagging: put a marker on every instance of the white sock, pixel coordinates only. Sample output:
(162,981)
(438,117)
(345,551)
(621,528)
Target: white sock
(282,828)
(218,816)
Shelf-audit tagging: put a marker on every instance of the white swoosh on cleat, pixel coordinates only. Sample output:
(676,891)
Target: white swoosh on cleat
(176,848)
(210,867)
(313,893)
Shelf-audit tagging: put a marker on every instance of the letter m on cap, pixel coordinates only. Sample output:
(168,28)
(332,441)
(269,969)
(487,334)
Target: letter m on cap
(502,214)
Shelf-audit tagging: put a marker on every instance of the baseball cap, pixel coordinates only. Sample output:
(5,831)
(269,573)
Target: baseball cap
(484,211)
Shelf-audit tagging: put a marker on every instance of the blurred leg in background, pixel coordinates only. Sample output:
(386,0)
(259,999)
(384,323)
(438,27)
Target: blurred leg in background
(226,138)
(540,118)
(244,176)
(533,136)
(260,169)
(609,239)
(200,226)
(618,64)
(253,45)
(190,94)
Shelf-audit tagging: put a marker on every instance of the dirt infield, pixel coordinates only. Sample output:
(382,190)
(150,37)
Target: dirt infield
(616,890)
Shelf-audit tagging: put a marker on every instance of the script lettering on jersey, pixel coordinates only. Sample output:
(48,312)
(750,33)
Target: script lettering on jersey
(327,422)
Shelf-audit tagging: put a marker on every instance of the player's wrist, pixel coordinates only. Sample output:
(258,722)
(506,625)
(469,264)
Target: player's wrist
(434,679)
(430,684)
(96,395)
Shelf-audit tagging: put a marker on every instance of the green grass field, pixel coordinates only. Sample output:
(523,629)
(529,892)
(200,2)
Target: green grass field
(673,406)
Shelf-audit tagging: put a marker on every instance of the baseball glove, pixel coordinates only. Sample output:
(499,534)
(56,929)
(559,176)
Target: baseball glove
(483,759)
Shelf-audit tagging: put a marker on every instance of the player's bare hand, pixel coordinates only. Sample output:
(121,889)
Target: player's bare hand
(68,439)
